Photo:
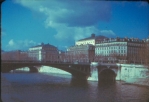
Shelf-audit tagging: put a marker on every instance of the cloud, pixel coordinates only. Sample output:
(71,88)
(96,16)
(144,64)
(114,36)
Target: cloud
(76,33)
(11,43)
(72,19)
(20,45)
(71,12)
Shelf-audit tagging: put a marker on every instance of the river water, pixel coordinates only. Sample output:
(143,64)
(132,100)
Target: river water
(50,87)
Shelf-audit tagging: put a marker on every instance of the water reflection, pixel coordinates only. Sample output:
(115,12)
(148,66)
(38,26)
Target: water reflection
(45,87)
(107,92)
(106,82)
(19,71)
(78,82)
(147,100)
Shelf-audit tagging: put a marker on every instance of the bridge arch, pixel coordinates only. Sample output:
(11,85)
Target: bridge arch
(33,69)
(76,70)
(107,75)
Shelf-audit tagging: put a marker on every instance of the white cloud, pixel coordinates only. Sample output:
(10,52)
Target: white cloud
(20,45)
(11,43)
(76,33)
(72,19)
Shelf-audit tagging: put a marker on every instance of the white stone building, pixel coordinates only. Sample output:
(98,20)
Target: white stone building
(119,49)
(89,40)
(43,52)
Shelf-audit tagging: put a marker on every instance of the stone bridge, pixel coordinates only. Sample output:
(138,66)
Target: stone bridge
(77,70)
(94,71)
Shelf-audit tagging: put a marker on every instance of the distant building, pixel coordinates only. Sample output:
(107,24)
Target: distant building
(80,53)
(61,57)
(119,50)
(147,40)
(83,50)
(16,55)
(90,40)
(44,52)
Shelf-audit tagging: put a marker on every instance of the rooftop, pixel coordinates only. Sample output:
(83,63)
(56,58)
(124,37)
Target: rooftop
(134,40)
(43,45)
(93,37)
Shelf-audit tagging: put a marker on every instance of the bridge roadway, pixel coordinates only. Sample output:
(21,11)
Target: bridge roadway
(94,70)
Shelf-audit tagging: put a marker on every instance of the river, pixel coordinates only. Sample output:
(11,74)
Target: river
(50,87)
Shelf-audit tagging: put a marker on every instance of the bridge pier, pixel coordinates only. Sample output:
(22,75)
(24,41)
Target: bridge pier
(6,68)
(93,71)
(79,77)
(33,69)
(5,71)
(118,77)
(80,71)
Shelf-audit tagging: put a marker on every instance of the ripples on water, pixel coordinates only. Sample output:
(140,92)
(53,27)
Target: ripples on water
(47,87)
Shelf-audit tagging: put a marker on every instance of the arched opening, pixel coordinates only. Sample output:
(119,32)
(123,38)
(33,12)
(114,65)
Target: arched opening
(106,76)
(33,69)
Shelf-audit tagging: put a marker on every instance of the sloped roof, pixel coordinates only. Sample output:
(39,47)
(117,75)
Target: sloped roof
(101,37)
(43,45)
(96,37)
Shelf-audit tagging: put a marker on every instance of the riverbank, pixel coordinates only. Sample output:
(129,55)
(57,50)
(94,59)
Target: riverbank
(138,82)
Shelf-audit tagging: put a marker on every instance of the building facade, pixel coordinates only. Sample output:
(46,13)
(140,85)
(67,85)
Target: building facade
(89,40)
(124,50)
(61,57)
(16,55)
(43,52)
(83,51)
(80,53)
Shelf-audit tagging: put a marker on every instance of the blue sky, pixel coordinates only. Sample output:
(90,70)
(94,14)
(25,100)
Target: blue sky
(26,23)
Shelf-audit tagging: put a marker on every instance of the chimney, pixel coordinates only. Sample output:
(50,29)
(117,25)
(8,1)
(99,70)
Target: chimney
(93,35)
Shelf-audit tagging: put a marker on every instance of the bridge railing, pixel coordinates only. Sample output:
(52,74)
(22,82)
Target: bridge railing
(53,62)
(27,61)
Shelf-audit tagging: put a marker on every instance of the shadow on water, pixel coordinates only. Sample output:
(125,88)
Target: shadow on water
(147,100)
(19,71)
(106,83)
(107,91)
(78,82)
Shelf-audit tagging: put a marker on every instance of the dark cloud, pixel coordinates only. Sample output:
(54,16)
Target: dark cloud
(73,13)
(85,13)
(72,19)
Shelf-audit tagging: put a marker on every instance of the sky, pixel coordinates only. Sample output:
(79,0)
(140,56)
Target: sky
(26,23)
